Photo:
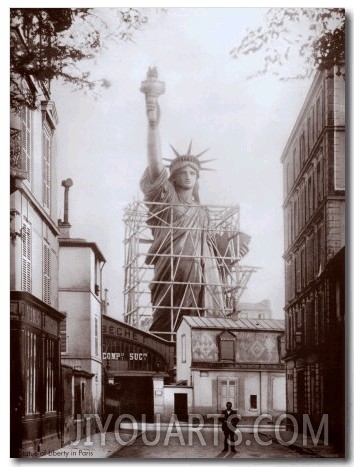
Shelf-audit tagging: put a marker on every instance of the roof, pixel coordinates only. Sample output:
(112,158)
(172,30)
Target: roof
(260,306)
(235,324)
(80,242)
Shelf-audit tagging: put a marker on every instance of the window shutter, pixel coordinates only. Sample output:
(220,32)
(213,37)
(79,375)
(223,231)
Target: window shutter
(26,257)
(96,336)
(227,391)
(26,141)
(46,169)
(46,274)
(63,335)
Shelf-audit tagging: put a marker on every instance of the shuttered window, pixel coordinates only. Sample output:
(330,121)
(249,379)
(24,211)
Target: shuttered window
(46,273)
(227,392)
(63,335)
(46,166)
(227,351)
(26,141)
(26,276)
(96,336)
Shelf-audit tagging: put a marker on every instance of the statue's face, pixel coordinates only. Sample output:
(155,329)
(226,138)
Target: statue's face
(185,178)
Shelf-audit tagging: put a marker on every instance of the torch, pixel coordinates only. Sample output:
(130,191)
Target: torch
(152,88)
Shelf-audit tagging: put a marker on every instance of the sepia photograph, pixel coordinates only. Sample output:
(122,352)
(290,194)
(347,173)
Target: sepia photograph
(177,254)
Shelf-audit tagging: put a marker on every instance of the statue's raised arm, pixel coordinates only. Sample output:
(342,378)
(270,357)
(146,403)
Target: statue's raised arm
(153,88)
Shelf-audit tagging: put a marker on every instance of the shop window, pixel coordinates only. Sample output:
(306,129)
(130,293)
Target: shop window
(31,360)
(50,358)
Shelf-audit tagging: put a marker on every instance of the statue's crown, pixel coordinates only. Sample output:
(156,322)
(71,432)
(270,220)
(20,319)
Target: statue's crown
(188,158)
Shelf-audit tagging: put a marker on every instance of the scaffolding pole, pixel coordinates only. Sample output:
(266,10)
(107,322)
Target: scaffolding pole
(230,245)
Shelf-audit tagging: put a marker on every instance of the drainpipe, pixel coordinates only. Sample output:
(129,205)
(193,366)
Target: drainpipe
(101,308)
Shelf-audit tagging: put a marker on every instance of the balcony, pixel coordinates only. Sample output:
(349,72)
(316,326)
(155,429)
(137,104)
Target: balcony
(17,171)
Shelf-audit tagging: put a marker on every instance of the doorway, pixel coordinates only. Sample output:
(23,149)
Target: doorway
(181,407)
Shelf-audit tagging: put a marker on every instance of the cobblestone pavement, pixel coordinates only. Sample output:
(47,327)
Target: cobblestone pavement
(208,443)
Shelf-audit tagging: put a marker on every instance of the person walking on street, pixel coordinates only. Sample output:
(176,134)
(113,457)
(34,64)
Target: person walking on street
(229,420)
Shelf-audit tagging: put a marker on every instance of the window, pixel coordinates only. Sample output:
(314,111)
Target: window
(49,368)
(183,346)
(302,150)
(82,392)
(296,164)
(310,199)
(320,180)
(30,342)
(46,166)
(227,392)
(295,222)
(46,273)
(309,258)
(226,346)
(26,141)
(303,267)
(319,114)
(298,318)
(26,278)
(310,322)
(96,336)
(63,335)
(298,271)
(253,402)
(320,250)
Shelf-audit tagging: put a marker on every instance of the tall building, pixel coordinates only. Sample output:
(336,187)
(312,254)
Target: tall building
(80,279)
(34,316)
(314,217)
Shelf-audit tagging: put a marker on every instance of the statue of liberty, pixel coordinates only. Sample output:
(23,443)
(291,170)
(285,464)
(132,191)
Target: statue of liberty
(184,251)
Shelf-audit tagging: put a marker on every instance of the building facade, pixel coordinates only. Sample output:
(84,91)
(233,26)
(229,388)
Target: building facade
(221,360)
(34,316)
(314,218)
(137,365)
(260,310)
(80,285)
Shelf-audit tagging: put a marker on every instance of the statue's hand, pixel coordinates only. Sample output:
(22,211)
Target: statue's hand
(153,112)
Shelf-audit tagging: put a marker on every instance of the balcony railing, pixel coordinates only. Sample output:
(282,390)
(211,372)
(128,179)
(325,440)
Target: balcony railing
(16,163)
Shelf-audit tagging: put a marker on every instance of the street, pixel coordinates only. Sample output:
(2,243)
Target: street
(205,443)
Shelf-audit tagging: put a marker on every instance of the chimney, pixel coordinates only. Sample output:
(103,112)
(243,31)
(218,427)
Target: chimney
(105,302)
(64,226)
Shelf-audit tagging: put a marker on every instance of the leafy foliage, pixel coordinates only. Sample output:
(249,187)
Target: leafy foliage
(50,43)
(305,39)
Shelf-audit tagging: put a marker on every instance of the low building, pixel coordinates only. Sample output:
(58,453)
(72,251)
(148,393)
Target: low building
(222,360)
(137,365)
(260,310)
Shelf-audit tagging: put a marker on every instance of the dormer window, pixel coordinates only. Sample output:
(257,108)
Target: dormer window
(227,346)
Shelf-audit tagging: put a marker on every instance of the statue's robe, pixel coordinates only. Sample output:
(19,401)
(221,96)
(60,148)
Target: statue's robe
(186,271)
